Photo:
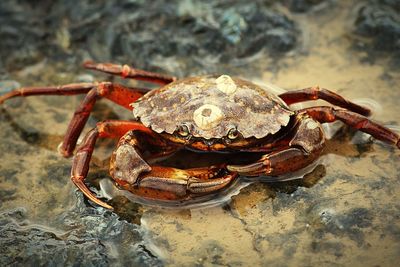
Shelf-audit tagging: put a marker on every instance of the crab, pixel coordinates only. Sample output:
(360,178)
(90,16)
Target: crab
(211,113)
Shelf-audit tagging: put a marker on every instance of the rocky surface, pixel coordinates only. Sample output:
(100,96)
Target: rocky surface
(344,212)
(195,35)
(379,23)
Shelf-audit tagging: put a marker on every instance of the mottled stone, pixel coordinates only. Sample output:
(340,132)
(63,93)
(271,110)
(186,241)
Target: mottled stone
(378,22)
(195,34)
(301,6)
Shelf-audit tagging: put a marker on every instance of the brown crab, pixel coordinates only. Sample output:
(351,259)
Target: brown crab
(207,113)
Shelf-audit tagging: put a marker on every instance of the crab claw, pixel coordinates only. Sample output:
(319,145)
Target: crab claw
(253,169)
(127,164)
(165,183)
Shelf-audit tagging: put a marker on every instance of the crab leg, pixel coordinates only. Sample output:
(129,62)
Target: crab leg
(80,166)
(308,142)
(119,94)
(314,93)
(301,150)
(68,89)
(127,72)
(357,121)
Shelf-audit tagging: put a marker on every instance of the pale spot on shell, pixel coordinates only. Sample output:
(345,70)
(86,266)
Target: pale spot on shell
(311,124)
(226,84)
(145,121)
(207,116)
(283,119)
(157,129)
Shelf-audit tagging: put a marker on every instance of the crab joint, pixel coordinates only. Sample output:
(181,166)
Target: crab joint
(125,71)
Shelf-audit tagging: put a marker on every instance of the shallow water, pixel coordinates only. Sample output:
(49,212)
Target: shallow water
(345,212)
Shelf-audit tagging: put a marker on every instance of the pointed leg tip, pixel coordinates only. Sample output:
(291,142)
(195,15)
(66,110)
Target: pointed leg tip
(89,64)
(367,112)
(106,206)
(10,94)
(3,98)
(78,181)
(63,152)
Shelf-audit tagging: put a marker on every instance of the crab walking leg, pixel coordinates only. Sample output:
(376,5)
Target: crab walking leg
(354,120)
(119,94)
(68,89)
(315,93)
(127,72)
(80,165)
(277,163)
(302,149)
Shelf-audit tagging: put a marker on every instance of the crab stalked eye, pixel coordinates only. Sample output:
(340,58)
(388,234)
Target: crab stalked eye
(233,134)
(183,130)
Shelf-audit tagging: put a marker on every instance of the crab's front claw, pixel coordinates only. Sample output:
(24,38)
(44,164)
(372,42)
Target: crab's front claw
(127,164)
(253,169)
(165,183)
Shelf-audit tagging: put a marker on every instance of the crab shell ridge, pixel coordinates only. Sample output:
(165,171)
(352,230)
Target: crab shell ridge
(211,106)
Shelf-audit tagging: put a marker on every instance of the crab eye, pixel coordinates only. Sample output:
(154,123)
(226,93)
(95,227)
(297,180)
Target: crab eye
(183,130)
(233,134)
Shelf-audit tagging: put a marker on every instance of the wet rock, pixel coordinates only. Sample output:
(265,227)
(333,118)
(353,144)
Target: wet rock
(301,6)
(8,86)
(6,195)
(87,241)
(358,217)
(171,35)
(328,247)
(56,170)
(127,210)
(344,218)
(23,36)
(211,253)
(379,23)
(7,175)
(349,224)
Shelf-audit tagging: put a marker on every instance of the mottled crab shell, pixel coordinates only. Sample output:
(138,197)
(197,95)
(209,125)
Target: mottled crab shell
(212,105)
